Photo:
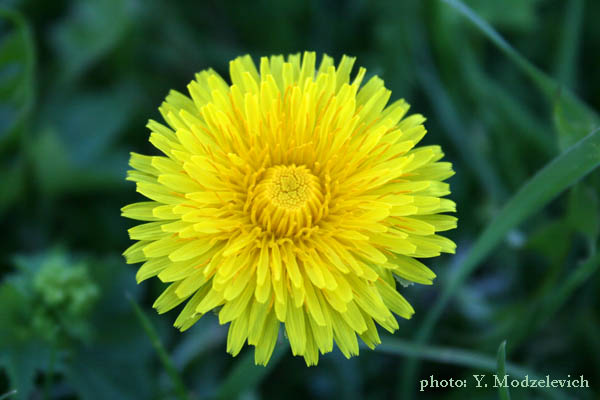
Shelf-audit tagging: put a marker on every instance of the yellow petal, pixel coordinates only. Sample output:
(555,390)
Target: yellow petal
(168,299)
(238,332)
(344,336)
(394,300)
(142,211)
(266,345)
(296,329)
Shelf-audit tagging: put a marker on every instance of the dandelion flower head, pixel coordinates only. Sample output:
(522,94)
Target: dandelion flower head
(293,197)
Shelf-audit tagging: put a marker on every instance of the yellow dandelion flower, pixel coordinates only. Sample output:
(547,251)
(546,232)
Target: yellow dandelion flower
(294,197)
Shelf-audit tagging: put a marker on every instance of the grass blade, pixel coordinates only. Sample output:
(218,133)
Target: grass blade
(482,169)
(503,391)
(567,115)
(454,128)
(8,394)
(495,95)
(245,375)
(568,49)
(564,171)
(160,350)
(537,75)
(575,118)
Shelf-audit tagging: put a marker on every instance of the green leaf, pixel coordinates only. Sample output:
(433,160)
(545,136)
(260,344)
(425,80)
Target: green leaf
(569,42)
(583,212)
(74,151)
(501,371)
(246,376)
(82,118)
(15,311)
(22,362)
(91,29)
(17,60)
(573,118)
(516,15)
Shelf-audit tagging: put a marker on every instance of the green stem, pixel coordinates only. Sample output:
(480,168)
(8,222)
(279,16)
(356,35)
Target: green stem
(160,350)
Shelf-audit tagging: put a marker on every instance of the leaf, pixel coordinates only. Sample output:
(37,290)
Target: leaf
(74,150)
(583,212)
(91,29)
(246,376)
(569,42)
(15,310)
(23,362)
(90,122)
(573,118)
(509,14)
(17,60)
(501,371)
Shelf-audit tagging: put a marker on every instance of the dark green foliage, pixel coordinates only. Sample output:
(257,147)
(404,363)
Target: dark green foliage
(510,90)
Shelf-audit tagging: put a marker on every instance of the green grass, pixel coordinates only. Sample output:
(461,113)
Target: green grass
(503,391)
(509,90)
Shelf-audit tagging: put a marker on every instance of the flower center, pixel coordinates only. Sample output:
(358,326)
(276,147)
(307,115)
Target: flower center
(287,199)
(288,187)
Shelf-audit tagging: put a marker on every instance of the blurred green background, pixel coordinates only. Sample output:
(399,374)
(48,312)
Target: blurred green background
(79,80)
